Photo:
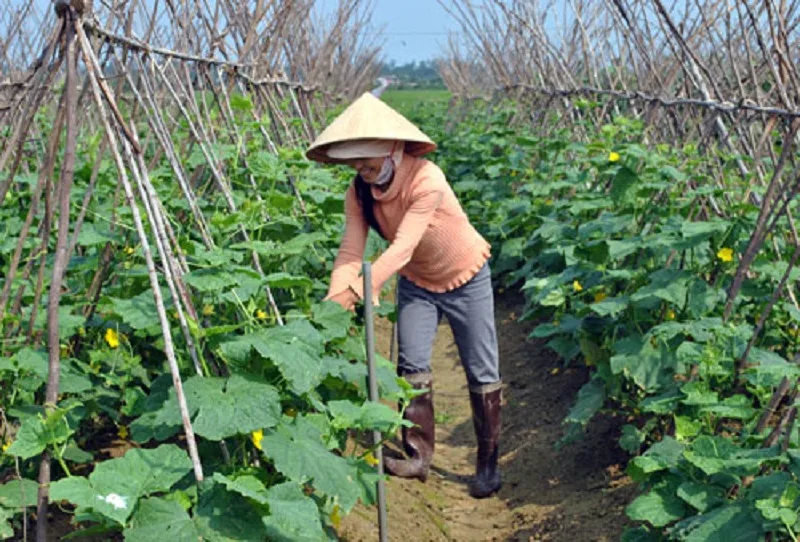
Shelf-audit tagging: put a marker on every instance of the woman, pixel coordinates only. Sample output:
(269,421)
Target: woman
(442,263)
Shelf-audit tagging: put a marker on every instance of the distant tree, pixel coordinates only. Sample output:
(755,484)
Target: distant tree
(423,74)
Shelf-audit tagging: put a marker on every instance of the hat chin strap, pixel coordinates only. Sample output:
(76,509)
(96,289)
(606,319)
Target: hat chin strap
(386,172)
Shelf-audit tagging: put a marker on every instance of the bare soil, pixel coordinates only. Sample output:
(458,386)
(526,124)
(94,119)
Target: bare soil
(577,493)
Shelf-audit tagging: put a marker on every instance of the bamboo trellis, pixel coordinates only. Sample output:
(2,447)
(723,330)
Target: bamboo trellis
(721,74)
(113,68)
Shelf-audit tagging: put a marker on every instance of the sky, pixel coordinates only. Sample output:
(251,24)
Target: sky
(414,30)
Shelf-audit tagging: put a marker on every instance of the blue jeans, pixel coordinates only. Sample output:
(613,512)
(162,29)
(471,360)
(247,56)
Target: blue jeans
(470,312)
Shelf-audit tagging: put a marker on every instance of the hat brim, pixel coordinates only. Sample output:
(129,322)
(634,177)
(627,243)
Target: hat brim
(369,118)
(413,148)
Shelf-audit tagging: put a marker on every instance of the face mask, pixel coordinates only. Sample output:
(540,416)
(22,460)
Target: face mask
(386,172)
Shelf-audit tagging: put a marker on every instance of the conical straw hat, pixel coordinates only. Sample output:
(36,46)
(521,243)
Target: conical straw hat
(370,118)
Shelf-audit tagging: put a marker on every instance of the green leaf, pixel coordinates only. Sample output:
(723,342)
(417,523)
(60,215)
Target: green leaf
(590,400)
(611,306)
(623,187)
(18,493)
(666,284)
(301,369)
(369,415)
(6,530)
(703,230)
(297,450)
(334,319)
(90,235)
(287,280)
(159,519)
(715,455)
(703,497)
(245,485)
(211,280)
(737,407)
(687,427)
(218,408)
(115,486)
(293,515)
(729,522)
(35,434)
(659,507)
(555,298)
(238,406)
(631,439)
(617,250)
(225,516)
(139,311)
(660,456)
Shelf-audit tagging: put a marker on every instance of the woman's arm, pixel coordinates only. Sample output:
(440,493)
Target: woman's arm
(425,199)
(347,266)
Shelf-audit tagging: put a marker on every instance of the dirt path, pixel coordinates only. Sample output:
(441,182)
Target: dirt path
(576,494)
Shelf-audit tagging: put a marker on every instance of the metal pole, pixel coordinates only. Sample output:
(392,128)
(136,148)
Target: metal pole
(369,324)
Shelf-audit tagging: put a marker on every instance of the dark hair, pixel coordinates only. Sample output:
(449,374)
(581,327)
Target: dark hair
(367,202)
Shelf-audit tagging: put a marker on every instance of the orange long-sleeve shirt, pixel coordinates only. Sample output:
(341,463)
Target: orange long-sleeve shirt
(432,242)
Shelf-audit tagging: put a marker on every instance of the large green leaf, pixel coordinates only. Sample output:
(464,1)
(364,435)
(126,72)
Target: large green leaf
(245,485)
(611,306)
(159,519)
(701,496)
(293,516)
(297,450)
(115,486)
(659,507)
(211,279)
(666,284)
(6,530)
(730,522)
(218,407)
(302,369)
(623,187)
(334,319)
(18,493)
(368,415)
(37,432)
(225,516)
(716,454)
(139,311)
(660,456)
(590,399)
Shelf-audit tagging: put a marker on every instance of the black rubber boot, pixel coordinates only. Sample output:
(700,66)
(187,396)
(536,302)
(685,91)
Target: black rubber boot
(418,441)
(486,419)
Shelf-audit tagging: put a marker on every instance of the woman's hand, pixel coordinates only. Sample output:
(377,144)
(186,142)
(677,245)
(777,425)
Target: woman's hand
(347,298)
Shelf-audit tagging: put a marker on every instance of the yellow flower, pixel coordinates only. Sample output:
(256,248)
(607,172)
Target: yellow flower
(122,432)
(371,459)
(613,156)
(670,314)
(6,446)
(208,310)
(112,338)
(336,516)
(599,296)
(129,250)
(261,315)
(257,437)
(576,286)
(725,254)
